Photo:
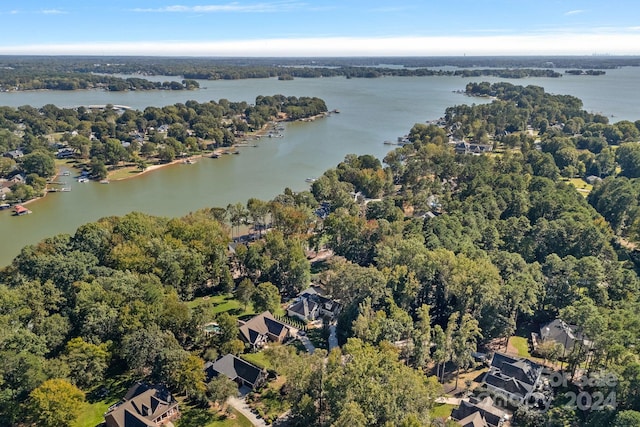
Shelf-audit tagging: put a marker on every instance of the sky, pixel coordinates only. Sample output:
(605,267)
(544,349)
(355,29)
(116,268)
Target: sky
(319,27)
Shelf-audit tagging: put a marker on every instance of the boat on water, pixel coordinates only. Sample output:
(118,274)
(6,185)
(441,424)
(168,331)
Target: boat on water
(188,161)
(66,173)
(215,156)
(104,181)
(5,206)
(65,189)
(20,210)
(83,179)
(311,180)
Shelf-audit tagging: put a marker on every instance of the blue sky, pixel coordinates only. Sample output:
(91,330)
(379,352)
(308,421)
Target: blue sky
(320,28)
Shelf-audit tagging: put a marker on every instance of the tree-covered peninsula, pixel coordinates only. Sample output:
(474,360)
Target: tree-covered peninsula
(462,244)
(108,139)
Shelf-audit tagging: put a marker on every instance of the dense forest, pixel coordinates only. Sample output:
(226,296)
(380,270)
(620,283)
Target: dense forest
(443,252)
(26,78)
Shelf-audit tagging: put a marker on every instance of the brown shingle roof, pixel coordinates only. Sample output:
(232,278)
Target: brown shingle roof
(262,324)
(142,404)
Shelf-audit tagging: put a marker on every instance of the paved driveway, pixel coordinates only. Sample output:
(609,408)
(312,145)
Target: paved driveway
(240,405)
(333,339)
(307,343)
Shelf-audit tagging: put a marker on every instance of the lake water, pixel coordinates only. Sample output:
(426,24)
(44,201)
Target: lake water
(372,111)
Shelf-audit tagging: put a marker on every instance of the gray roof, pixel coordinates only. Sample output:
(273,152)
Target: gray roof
(14,153)
(325,303)
(142,404)
(303,307)
(517,376)
(474,420)
(563,333)
(261,324)
(521,369)
(485,408)
(233,368)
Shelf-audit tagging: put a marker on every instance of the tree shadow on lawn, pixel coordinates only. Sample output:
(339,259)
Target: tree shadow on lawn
(196,417)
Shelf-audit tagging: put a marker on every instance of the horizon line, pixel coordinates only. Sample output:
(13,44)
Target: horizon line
(494,45)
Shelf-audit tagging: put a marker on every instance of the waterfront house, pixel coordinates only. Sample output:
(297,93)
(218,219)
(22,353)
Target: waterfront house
(264,328)
(5,189)
(65,153)
(237,370)
(18,178)
(144,405)
(513,378)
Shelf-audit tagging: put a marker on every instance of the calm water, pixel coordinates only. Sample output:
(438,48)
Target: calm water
(372,111)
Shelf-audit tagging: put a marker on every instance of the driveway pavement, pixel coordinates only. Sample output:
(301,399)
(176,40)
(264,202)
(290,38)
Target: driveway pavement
(240,405)
(333,339)
(307,343)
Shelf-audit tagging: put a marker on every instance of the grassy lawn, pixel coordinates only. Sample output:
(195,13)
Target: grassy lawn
(581,185)
(228,303)
(223,303)
(521,344)
(257,359)
(68,164)
(93,413)
(442,410)
(200,417)
(122,173)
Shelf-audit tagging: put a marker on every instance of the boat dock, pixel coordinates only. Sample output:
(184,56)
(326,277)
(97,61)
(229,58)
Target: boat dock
(20,210)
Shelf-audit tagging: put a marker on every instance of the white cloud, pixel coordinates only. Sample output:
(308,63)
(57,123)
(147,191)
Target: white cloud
(574,12)
(545,44)
(53,12)
(229,7)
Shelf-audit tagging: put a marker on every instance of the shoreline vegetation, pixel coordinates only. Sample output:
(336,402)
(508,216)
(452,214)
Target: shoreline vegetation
(111,142)
(25,73)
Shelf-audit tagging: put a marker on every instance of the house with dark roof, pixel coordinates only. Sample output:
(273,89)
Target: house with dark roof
(463,147)
(65,153)
(264,328)
(304,309)
(479,413)
(564,334)
(14,154)
(514,378)
(474,420)
(237,370)
(311,305)
(144,405)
